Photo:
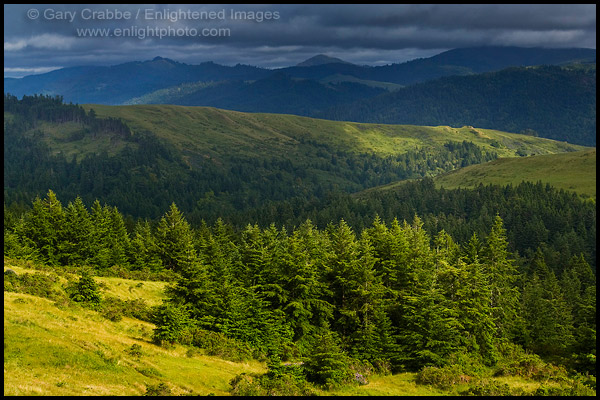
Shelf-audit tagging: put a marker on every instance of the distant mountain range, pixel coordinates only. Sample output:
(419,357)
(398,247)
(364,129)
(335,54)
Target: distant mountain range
(329,87)
(119,83)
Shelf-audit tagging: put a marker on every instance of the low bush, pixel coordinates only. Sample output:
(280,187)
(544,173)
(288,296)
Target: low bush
(35,284)
(488,387)
(115,309)
(219,345)
(575,388)
(442,377)
(515,361)
(135,351)
(246,385)
(158,390)
(281,380)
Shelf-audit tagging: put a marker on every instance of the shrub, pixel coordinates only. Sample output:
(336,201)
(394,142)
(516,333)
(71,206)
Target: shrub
(246,385)
(86,290)
(281,380)
(135,350)
(219,345)
(382,367)
(114,309)
(361,370)
(172,322)
(150,372)
(516,361)
(158,390)
(442,377)
(491,388)
(36,284)
(576,388)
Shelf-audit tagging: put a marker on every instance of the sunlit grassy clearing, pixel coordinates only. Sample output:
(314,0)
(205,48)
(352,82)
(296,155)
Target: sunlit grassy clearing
(49,351)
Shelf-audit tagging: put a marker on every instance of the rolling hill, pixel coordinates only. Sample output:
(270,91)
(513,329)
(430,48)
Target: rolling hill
(213,162)
(573,171)
(231,132)
(569,171)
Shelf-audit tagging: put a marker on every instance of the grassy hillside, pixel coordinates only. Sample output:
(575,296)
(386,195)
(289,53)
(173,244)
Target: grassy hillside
(570,171)
(574,171)
(52,349)
(211,131)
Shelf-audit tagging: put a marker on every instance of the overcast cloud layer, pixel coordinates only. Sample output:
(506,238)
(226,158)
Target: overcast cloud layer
(39,38)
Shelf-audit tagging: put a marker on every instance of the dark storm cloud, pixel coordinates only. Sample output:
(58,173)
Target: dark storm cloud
(363,34)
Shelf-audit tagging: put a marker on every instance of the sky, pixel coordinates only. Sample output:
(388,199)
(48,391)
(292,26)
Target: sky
(42,37)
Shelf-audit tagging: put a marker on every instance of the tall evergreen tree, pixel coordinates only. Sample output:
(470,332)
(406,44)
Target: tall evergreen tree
(305,293)
(475,311)
(144,250)
(502,276)
(549,322)
(45,227)
(579,287)
(77,245)
(175,241)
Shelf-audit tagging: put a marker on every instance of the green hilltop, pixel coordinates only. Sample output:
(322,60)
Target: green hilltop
(221,132)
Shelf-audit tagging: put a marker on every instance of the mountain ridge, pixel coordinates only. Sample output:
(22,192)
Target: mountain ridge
(320,59)
(114,84)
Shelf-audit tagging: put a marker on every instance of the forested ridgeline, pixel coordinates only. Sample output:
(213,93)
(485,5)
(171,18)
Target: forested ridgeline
(391,296)
(142,174)
(52,108)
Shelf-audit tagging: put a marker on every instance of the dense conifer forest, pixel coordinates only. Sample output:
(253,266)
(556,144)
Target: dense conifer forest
(389,297)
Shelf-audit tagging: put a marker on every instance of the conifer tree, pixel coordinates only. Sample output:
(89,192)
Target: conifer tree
(304,293)
(144,251)
(341,277)
(77,245)
(579,287)
(327,364)
(175,241)
(101,224)
(86,290)
(372,340)
(117,238)
(549,322)
(475,312)
(501,275)
(45,227)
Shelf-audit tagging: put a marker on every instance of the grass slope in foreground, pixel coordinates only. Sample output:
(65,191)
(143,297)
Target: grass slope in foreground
(51,350)
(59,350)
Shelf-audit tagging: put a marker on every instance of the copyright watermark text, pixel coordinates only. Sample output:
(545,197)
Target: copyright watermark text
(156,21)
